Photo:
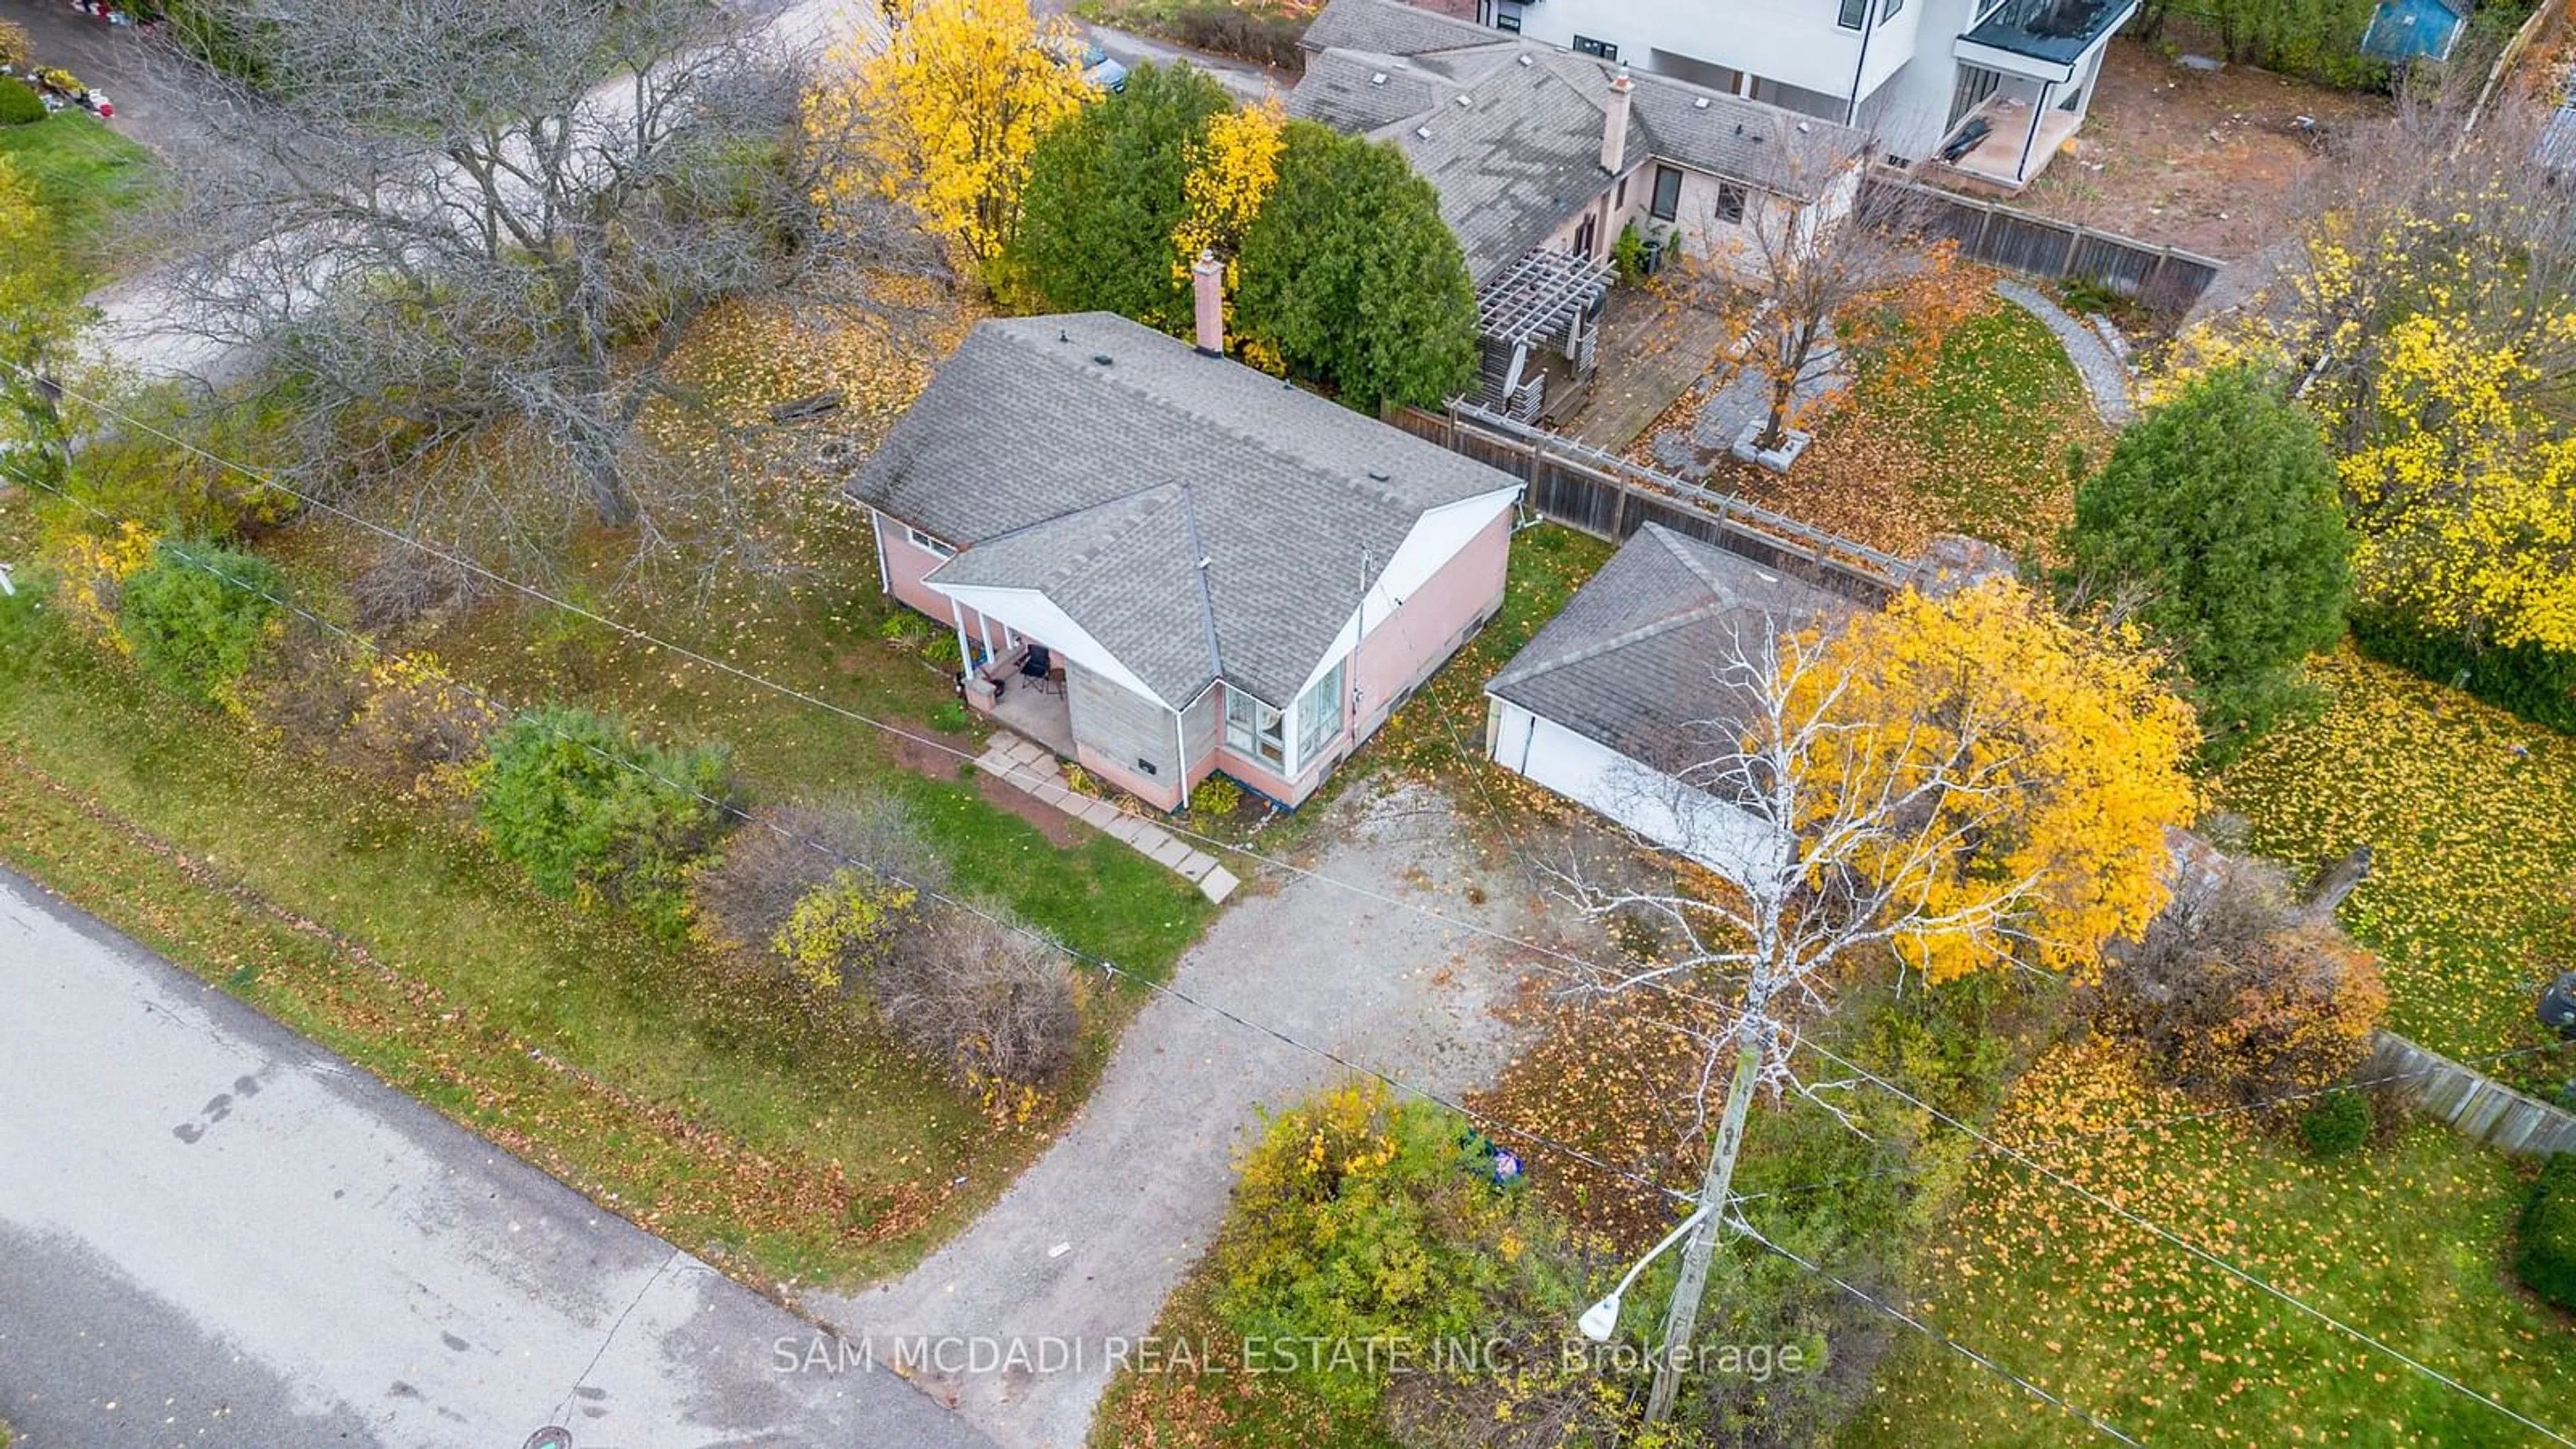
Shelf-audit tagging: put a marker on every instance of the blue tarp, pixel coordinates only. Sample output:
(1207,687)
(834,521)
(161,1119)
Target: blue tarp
(2412,29)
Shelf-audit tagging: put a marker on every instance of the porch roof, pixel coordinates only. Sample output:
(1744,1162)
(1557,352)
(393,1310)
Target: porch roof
(1530,299)
(2056,31)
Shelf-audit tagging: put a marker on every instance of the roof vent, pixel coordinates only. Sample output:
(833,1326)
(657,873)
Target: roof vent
(1423,131)
(1739,128)
(1466,101)
(1700,105)
(1063,336)
(1525,58)
(1804,128)
(1101,357)
(1377,77)
(1377,475)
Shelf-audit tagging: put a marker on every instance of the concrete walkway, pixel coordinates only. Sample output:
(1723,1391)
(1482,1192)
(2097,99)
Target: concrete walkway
(1030,768)
(1083,1249)
(2105,376)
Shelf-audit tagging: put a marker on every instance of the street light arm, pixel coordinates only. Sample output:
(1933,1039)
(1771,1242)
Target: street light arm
(1675,1236)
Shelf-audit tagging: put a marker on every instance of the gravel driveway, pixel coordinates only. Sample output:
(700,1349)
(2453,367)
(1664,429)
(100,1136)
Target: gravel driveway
(1084,1248)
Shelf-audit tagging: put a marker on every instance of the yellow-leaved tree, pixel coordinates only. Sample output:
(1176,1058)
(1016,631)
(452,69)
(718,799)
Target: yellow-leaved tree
(1231,171)
(1948,784)
(943,114)
(2432,322)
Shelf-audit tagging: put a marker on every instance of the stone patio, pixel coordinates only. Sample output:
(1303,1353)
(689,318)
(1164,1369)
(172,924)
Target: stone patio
(1031,768)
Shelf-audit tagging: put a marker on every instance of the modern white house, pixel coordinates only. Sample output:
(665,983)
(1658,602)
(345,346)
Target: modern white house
(1989,89)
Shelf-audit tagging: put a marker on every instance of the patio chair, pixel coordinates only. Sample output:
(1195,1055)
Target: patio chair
(1967,139)
(1038,667)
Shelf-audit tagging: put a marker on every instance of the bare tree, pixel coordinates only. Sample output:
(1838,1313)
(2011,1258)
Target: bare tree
(1844,824)
(449,213)
(1803,286)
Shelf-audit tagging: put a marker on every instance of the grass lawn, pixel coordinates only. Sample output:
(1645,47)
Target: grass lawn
(1978,447)
(2471,818)
(2407,1241)
(701,1106)
(83,173)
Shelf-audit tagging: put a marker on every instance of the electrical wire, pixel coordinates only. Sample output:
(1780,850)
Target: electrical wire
(1492,1125)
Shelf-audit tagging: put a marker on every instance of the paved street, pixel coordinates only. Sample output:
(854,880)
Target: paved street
(214,1233)
(1082,1250)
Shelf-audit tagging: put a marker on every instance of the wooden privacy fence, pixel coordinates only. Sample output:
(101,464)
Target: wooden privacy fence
(1609,497)
(2478,1106)
(2017,241)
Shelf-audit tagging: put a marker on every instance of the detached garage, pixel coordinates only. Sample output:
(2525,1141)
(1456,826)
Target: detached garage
(1616,697)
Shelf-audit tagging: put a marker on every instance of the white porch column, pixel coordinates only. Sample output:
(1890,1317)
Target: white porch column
(965,651)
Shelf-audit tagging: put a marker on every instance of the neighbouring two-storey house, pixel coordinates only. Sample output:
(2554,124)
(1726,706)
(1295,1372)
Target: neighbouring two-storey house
(1542,157)
(1989,88)
(1164,564)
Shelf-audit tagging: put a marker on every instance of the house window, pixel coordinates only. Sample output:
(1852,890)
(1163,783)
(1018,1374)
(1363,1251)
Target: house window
(1619,195)
(1887,10)
(1255,730)
(1668,194)
(1319,716)
(1508,20)
(1853,14)
(1730,203)
(1586,45)
(926,543)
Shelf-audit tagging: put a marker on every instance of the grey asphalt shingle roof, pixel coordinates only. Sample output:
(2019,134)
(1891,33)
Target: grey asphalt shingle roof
(1634,660)
(1087,480)
(1524,154)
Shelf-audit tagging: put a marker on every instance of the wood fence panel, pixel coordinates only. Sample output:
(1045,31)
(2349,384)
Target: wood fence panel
(2477,1106)
(2038,246)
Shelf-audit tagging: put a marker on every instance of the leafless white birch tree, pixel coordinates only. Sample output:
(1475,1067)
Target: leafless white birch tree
(1835,842)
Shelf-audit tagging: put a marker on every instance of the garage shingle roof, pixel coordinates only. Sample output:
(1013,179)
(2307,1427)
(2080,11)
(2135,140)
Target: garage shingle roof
(1634,660)
(1097,461)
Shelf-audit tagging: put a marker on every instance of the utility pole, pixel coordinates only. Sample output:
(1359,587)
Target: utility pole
(1713,1193)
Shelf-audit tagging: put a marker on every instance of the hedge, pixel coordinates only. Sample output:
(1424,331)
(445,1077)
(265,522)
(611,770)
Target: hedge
(2535,683)
(2545,1258)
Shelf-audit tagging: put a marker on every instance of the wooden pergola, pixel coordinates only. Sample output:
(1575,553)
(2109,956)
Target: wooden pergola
(1540,300)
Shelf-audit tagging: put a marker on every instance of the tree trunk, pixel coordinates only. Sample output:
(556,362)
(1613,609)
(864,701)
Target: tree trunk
(1784,392)
(1702,1243)
(606,483)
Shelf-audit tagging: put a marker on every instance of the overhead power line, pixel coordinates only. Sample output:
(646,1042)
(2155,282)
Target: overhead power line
(1493,1125)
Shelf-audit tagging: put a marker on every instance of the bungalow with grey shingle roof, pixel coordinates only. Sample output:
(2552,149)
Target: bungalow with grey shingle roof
(1164,564)
(1542,157)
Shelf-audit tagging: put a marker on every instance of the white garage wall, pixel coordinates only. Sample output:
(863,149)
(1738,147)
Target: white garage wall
(1654,805)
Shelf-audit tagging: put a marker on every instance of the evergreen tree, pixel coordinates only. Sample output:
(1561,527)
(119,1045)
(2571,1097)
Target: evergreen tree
(1351,274)
(2220,508)
(1106,189)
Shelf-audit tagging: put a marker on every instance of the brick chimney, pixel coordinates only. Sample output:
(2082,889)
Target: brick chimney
(1614,122)
(1207,288)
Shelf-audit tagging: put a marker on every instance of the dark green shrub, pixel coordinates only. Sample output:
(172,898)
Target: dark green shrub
(196,617)
(2336,1126)
(2545,1252)
(2535,683)
(585,807)
(19,106)
(1628,254)
(2218,509)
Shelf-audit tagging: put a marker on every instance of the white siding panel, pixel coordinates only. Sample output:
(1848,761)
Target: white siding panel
(1601,779)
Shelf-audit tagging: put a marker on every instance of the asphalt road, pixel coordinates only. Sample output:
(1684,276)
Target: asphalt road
(213,1232)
